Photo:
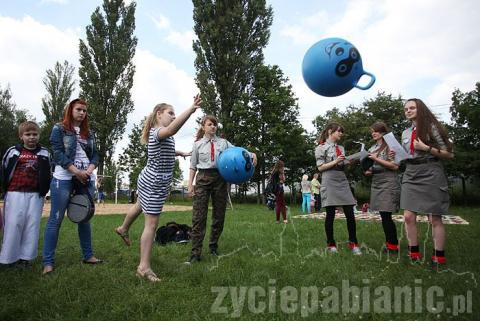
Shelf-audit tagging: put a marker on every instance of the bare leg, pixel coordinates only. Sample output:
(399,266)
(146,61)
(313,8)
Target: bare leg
(146,242)
(411,227)
(438,232)
(132,214)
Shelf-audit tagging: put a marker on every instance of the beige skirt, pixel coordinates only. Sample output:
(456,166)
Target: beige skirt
(385,192)
(335,190)
(425,189)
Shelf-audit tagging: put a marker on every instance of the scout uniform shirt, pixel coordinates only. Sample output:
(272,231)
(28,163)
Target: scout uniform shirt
(335,189)
(206,152)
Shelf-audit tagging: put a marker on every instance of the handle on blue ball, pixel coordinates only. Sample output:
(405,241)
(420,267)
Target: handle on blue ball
(370,84)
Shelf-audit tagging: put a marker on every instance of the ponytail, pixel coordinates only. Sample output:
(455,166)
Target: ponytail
(151,121)
(324,135)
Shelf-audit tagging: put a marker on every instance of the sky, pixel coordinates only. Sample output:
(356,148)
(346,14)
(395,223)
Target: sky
(415,48)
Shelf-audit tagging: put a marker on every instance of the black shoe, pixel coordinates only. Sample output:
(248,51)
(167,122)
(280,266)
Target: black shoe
(214,252)
(23,264)
(193,259)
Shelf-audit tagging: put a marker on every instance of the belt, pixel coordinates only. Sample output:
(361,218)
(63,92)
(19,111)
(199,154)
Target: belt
(379,170)
(339,168)
(417,161)
(208,170)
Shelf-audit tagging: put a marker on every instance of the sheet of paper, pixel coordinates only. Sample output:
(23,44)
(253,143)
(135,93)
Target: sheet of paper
(393,144)
(357,156)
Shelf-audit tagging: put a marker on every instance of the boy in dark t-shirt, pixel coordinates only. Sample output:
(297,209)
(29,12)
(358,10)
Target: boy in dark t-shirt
(26,175)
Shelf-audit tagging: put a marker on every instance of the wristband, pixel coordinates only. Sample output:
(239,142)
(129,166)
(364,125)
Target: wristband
(430,149)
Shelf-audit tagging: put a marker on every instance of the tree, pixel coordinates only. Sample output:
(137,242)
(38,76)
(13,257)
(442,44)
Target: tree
(465,133)
(271,127)
(231,36)
(59,84)
(112,178)
(10,118)
(134,157)
(106,73)
(177,173)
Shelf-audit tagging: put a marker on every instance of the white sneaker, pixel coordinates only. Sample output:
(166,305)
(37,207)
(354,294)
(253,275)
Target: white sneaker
(356,251)
(332,249)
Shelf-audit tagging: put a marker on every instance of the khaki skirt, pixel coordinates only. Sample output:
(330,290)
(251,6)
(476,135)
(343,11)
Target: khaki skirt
(385,192)
(335,190)
(425,189)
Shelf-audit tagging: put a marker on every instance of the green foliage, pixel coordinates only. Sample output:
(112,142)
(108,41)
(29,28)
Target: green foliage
(177,173)
(10,118)
(106,73)
(231,37)
(113,178)
(134,157)
(271,126)
(465,132)
(59,85)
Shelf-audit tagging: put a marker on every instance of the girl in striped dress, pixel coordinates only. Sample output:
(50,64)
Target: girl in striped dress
(155,179)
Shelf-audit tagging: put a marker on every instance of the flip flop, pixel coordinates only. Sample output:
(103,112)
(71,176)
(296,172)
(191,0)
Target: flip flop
(124,237)
(148,275)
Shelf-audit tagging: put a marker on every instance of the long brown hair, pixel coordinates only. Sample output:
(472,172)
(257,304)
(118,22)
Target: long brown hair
(278,169)
(382,128)
(201,131)
(279,166)
(424,121)
(68,118)
(324,135)
(151,121)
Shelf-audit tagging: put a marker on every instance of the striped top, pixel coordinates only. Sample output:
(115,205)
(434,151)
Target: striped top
(155,179)
(161,153)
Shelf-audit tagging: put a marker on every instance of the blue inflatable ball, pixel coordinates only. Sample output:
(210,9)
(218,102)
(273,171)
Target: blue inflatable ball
(332,67)
(235,165)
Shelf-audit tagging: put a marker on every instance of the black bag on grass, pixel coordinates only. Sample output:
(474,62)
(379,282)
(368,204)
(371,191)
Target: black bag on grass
(173,232)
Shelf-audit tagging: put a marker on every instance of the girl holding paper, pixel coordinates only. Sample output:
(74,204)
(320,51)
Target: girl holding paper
(385,189)
(335,189)
(424,183)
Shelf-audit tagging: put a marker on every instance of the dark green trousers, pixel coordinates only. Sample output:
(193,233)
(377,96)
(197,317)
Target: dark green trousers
(208,184)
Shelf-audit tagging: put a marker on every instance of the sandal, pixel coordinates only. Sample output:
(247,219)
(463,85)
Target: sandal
(148,275)
(124,237)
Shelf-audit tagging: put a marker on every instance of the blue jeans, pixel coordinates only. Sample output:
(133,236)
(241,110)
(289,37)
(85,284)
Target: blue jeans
(60,195)
(307,197)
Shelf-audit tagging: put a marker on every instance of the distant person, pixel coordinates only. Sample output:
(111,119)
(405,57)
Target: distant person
(424,183)
(306,194)
(75,157)
(132,197)
(26,179)
(316,193)
(277,179)
(100,190)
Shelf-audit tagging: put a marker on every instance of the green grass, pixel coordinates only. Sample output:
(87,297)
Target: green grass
(258,255)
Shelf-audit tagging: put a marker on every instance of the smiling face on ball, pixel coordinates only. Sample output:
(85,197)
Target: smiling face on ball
(345,55)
